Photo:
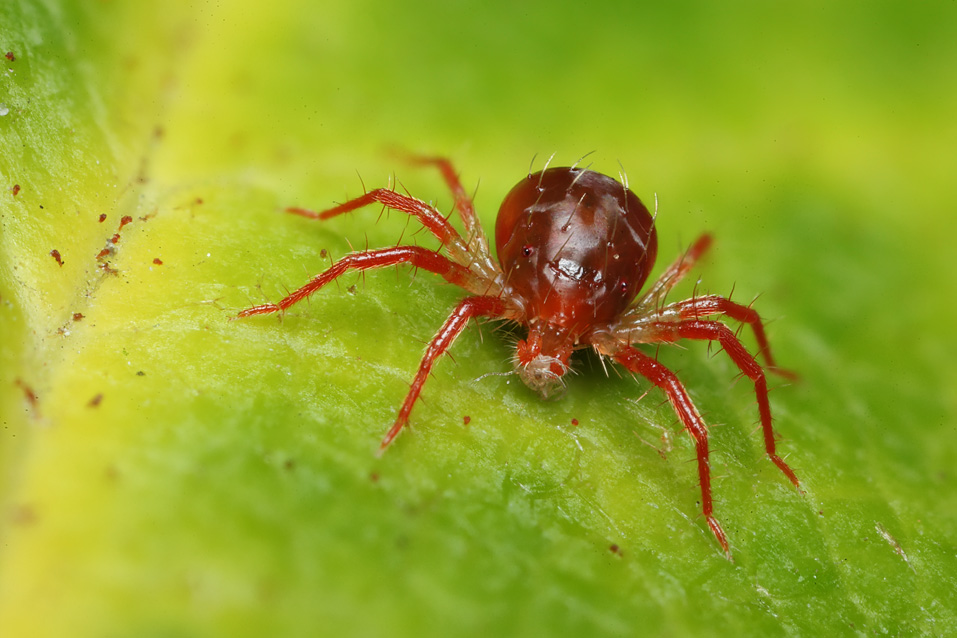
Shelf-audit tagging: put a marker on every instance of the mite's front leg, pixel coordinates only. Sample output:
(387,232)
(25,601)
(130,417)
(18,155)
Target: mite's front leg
(671,331)
(467,309)
(415,255)
(665,379)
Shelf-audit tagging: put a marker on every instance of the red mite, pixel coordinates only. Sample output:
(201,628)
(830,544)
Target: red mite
(575,248)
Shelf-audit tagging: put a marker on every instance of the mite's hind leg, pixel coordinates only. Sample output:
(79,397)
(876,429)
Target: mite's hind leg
(711,305)
(477,241)
(432,219)
(670,278)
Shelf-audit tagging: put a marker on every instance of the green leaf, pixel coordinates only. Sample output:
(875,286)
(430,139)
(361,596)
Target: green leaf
(169,472)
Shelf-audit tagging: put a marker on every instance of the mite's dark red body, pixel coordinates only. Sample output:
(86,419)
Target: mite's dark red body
(575,248)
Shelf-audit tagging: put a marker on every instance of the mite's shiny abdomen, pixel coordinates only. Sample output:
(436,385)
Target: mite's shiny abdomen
(575,245)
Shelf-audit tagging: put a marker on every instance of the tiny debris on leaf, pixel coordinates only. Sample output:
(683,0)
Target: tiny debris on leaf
(28,393)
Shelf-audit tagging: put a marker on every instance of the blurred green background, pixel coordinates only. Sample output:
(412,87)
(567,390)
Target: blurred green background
(167,472)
